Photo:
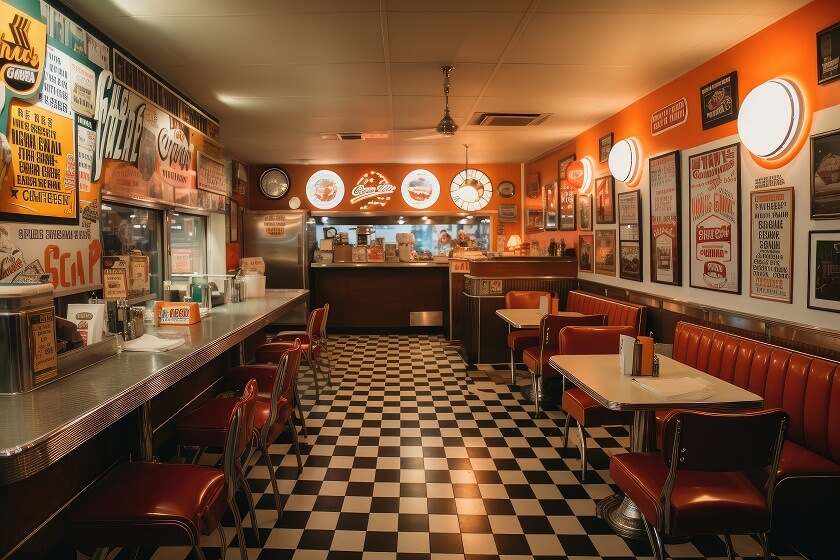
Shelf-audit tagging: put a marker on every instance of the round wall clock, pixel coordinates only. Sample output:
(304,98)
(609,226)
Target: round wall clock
(506,189)
(274,183)
(471,190)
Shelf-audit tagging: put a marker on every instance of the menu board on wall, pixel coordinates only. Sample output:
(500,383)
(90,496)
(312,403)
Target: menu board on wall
(210,174)
(715,219)
(771,244)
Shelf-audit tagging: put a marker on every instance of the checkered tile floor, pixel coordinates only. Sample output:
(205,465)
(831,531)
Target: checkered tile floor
(410,455)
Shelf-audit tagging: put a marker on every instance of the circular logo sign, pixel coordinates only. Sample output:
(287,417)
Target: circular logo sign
(471,190)
(420,189)
(325,189)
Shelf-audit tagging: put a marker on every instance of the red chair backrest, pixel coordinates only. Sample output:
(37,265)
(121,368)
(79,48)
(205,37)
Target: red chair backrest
(248,403)
(524,300)
(716,442)
(592,340)
(284,382)
(550,326)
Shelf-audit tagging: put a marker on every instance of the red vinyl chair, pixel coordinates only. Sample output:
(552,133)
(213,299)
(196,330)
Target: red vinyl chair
(276,411)
(207,426)
(699,483)
(536,357)
(586,411)
(311,344)
(518,340)
(160,504)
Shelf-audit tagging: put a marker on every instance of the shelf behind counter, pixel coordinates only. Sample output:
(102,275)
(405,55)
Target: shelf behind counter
(383,297)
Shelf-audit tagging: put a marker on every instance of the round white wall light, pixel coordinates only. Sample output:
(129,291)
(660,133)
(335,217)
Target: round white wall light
(769,117)
(624,159)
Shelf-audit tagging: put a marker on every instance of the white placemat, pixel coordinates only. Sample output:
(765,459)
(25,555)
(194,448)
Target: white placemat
(150,343)
(677,388)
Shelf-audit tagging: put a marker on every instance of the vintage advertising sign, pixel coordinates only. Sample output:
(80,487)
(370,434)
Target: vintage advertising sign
(605,251)
(210,174)
(719,101)
(38,187)
(55,91)
(373,190)
(568,198)
(715,219)
(669,117)
(420,189)
(42,351)
(771,244)
(119,115)
(325,189)
(22,51)
(665,219)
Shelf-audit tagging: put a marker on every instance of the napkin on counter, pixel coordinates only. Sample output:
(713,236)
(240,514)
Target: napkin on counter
(677,388)
(149,343)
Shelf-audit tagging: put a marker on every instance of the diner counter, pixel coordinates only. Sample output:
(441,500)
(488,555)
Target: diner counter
(413,264)
(42,426)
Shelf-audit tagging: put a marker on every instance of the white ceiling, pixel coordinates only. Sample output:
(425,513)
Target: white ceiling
(278,73)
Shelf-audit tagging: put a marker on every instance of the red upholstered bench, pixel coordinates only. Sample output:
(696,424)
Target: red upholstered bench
(805,509)
(619,313)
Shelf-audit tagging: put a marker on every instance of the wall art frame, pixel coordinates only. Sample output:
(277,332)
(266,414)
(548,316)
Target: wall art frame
(665,219)
(604,252)
(605,144)
(771,244)
(824,270)
(605,200)
(825,175)
(562,165)
(714,188)
(584,212)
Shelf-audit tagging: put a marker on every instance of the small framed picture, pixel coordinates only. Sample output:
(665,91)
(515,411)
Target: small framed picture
(824,270)
(567,207)
(630,260)
(584,212)
(605,251)
(605,144)
(533,188)
(719,101)
(234,221)
(605,200)
(562,165)
(825,175)
(585,249)
(550,206)
(828,54)
(665,219)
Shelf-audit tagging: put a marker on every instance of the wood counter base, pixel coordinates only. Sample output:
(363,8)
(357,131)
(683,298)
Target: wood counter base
(367,298)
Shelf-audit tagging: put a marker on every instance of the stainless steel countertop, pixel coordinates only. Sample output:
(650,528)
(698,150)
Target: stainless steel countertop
(44,425)
(379,265)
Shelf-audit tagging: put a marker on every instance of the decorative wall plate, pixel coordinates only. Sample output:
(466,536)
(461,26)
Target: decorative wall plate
(506,189)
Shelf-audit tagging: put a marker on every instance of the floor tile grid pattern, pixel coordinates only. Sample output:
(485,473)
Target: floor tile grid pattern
(412,454)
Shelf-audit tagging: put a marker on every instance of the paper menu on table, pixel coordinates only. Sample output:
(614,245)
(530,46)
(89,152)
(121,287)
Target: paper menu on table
(626,345)
(677,388)
(543,305)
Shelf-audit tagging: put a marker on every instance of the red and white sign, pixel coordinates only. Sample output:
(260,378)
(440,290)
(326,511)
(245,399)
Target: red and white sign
(669,117)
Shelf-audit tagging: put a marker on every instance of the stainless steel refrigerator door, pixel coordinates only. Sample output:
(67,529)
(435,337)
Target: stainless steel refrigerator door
(280,239)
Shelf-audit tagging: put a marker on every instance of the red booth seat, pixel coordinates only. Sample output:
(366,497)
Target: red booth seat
(619,313)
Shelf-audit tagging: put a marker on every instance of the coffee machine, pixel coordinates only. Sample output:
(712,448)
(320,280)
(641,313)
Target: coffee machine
(364,235)
(406,246)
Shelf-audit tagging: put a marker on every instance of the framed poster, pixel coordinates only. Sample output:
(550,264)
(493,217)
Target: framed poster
(771,244)
(507,213)
(534,219)
(562,165)
(825,175)
(605,251)
(604,146)
(630,260)
(828,54)
(719,101)
(714,188)
(550,203)
(824,270)
(584,207)
(533,189)
(665,219)
(567,207)
(605,200)
(585,243)
(234,221)
(629,216)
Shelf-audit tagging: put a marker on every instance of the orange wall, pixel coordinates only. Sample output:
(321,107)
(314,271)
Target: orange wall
(785,49)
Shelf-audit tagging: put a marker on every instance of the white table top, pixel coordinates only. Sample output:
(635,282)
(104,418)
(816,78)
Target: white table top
(600,377)
(529,318)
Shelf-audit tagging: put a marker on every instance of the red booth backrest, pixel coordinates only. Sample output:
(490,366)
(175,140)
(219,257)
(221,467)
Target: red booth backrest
(524,299)
(619,313)
(804,386)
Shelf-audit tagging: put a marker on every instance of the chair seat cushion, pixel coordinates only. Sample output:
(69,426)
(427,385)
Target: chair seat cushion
(703,503)
(589,412)
(263,373)
(520,340)
(206,425)
(270,352)
(290,336)
(531,358)
(143,504)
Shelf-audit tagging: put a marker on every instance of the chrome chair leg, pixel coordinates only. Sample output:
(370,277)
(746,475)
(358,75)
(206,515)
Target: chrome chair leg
(100,553)
(297,445)
(730,551)
(199,553)
(242,483)
(273,477)
(222,540)
(239,533)
(655,540)
(300,410)
(582,438)
(512,368)
(566,433)
(764,539)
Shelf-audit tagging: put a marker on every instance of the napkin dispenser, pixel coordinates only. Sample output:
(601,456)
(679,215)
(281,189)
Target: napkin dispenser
(636,355)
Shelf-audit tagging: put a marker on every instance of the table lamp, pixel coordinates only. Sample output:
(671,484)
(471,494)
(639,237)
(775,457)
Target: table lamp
(514,242)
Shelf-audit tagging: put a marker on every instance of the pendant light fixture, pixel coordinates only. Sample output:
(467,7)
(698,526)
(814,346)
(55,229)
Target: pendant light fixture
(446,126)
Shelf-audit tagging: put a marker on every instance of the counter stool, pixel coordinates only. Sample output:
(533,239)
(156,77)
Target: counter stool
(207,426)
(518,340)
(586,411)
(311,343)
(277,410)
(159,504)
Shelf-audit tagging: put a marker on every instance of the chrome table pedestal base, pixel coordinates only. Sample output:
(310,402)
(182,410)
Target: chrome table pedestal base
(623,517)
